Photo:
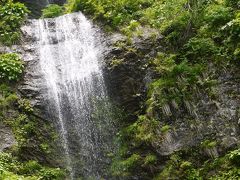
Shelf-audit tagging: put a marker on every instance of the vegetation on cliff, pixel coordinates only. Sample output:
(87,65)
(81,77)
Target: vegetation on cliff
(12,16)
(52,10)
(27,158)
(197,34)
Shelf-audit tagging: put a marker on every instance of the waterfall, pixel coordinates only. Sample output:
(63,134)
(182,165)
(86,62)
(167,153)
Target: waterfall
(70,52)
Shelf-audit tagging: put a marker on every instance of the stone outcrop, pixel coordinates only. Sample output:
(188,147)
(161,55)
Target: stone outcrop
(126,69)
(205,119)
(7,139)
(211,125)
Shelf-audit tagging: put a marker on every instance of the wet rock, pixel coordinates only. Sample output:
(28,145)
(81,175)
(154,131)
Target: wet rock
(7,139)
(229,142)
(214,120)
(127,74)
(169,144)
(126,68)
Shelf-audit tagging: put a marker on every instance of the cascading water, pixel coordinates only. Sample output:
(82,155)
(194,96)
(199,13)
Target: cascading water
(70,50)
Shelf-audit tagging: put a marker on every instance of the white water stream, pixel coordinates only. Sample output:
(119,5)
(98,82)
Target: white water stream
(69,51)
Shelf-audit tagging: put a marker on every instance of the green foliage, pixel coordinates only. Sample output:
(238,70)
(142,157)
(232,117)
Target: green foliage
(11,168)
(8,101)
(231,174)
(182,166)
(165,128)
(150,159)
(175,84)
(23,128)
(234,157)
(11,67)
(113,13)
(200,49)
(233,3)
(177,168)
(132,29)
(209,144)
(52,10)
(217,15)
(162,13)
(30,135)
(141,133)
(121,13)
(12,16)
(25,105)
(233,29)
(115,63)
(122,168)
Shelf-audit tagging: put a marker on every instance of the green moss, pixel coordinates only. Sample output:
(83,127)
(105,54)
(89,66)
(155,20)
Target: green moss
(165,128)
(209,144)
(115,63)
(150,159)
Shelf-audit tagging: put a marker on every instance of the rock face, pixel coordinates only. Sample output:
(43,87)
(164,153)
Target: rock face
(201,123)
(7,139)
(126,69)
(37,5)
(212,125)
(127,75)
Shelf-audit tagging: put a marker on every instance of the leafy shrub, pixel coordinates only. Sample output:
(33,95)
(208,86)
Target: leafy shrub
(218,15)
(123,167)
(114,13)
(12,169)
(12,16)
(237,53)
(52,173)
(52,10)
(233,28)
(234,157)
(5,90)
(25,105)
(200,49)
(23,128)
(233,3)
(30,167)
(178,30)
(175,84)
(8,101)
(150,159)
(11,67)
